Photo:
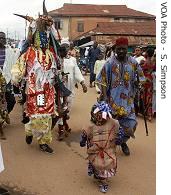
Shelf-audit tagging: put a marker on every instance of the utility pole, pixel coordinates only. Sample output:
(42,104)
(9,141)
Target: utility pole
(15,35)
(7,35)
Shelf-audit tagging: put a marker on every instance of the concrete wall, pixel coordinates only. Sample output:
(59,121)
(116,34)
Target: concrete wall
(64,32)
(89,23)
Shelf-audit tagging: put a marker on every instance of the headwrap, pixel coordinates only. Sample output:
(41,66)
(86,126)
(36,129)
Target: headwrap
(122,41)
(104,108)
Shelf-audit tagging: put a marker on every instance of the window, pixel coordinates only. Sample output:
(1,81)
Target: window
(58,24)
(116,19)
(80,27)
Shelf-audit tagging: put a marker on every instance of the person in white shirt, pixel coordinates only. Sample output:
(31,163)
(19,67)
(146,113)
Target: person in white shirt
(97,68)
(140,59)
(138,55)
(73,76)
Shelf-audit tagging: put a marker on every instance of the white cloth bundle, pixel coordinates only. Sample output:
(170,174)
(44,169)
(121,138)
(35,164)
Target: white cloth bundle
(1,161)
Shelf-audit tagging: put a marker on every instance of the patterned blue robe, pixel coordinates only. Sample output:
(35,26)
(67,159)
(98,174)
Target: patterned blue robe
(119,80)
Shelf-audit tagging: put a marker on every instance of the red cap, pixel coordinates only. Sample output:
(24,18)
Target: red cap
(122,41)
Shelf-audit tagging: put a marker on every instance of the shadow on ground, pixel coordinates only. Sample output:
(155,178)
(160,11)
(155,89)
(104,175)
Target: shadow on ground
(6,190)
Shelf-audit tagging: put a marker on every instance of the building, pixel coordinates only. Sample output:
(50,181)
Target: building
(138,33)
(73,20)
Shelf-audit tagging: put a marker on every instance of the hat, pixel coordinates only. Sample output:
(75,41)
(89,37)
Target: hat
(65,42)
(122,41)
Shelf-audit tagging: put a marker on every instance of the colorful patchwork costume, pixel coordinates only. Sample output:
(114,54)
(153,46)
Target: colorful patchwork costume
(38,68)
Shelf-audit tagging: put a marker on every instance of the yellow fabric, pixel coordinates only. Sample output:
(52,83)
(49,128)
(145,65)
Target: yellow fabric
(46,139)
(40,128)
(18,70)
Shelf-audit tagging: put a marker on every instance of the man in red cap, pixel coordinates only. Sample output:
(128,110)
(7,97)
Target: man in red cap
(118,82)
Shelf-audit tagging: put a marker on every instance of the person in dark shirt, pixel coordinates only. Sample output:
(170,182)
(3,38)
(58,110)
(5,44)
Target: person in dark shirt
(93,54)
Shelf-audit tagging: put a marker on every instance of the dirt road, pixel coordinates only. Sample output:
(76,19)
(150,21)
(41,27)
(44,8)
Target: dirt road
(65,172)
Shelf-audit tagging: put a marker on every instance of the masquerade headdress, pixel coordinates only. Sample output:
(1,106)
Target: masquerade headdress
(41,30)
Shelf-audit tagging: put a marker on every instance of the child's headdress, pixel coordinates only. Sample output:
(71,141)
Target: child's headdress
(103,107)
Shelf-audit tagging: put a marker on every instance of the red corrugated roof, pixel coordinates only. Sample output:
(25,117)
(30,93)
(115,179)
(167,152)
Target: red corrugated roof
(123,28)
(98,10)
(131,28)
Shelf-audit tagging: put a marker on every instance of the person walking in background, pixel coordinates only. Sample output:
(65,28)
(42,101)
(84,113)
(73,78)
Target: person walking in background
(73,76)
(118,82)
(7,99)
(140,59)
(138,55)
(93,56)
(109,52)
(72,51)
(148,68)
(97,68)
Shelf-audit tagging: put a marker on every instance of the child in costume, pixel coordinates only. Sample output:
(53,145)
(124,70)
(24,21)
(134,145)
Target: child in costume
(101,136)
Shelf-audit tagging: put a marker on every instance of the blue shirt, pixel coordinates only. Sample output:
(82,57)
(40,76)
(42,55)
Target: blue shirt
(119,80)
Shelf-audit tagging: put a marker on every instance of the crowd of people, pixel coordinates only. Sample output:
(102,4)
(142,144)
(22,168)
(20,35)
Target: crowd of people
(46,73)
(145,57)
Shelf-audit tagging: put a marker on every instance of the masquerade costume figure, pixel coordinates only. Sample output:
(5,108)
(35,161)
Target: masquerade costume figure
(118,83)
(37,69)
(101,137)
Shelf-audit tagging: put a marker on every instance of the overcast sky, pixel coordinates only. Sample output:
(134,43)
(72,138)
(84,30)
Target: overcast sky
(15,26)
